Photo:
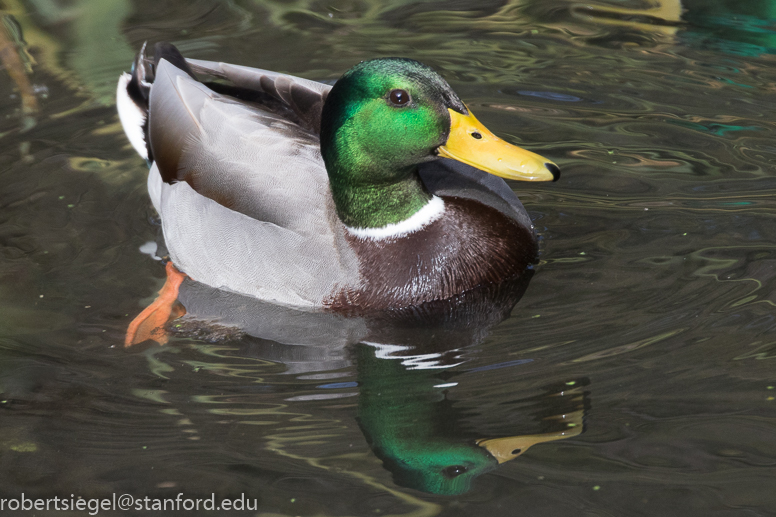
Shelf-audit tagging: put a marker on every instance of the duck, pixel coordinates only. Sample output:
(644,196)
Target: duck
(380,192)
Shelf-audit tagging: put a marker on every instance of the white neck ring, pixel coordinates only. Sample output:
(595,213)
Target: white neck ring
(417,221)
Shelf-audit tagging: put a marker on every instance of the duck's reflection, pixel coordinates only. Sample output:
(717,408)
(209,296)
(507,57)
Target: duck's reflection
(417,432)
(409,364)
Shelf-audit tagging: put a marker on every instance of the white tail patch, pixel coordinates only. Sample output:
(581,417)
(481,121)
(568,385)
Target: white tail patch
(417,221)
(132,116)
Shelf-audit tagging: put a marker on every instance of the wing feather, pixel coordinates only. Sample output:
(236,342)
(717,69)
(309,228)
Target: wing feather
(304,97)
(244,198)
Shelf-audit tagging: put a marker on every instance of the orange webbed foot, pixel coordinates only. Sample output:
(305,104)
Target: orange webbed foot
(150,324)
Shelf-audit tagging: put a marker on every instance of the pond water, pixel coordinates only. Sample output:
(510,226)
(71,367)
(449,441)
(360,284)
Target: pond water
(639,365)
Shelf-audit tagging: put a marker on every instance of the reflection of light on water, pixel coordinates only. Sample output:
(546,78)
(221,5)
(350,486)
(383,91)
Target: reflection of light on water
(413,362)
(663,17)
(321,396)
(550,96)
(149,248)
(446,385)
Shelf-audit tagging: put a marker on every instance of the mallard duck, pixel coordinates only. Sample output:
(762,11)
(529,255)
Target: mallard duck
(368,195)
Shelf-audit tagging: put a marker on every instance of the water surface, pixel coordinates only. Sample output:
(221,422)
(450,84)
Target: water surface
(648,322)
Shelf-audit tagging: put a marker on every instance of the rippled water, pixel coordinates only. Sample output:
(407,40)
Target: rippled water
(649,322)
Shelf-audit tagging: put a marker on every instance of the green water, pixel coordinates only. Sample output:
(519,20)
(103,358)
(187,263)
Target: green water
(649,321)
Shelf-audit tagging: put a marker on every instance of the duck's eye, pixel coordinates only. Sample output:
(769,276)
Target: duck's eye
(453,471)
(399,97)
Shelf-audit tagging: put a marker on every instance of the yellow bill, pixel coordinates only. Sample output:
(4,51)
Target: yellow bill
(510,447)
(473,144)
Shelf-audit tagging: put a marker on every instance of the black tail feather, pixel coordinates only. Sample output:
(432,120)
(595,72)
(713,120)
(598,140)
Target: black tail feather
(169,52)
(139,86)
(143,71)
(143,74)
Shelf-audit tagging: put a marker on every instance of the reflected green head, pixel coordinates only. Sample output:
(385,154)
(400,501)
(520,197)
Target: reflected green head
(438,466)
(380,120)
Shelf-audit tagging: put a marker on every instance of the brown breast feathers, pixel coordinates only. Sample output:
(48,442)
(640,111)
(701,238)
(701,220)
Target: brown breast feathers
(469,246)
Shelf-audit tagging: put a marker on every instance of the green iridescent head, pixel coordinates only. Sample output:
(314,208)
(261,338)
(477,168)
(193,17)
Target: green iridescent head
(382,119)
(437,466)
